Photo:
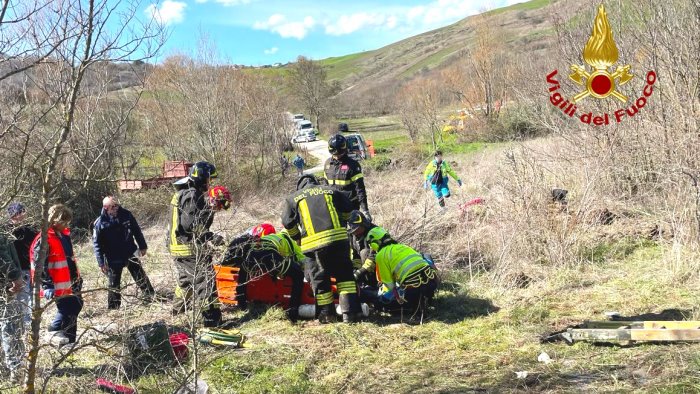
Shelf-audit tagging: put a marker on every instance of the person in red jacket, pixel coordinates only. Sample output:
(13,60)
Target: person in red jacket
(60,278)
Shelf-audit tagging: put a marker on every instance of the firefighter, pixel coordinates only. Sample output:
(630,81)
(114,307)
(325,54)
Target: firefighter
(364,266)
(408,278)
(263,251)
(345,174)
(435,174)
(190,242)
(316,217)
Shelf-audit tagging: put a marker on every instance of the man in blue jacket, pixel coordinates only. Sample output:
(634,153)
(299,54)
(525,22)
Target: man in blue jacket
(119,243)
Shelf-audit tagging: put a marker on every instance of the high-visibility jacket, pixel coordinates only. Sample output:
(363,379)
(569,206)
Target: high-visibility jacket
(345,174)
(400,265)
(444,168)
(189,224)
(56,270)
(317,216)
(284,245)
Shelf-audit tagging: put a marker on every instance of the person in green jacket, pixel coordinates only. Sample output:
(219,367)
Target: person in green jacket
(436,174)
(408,278)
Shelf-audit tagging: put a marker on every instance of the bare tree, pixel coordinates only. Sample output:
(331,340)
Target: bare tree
(308,85)
(55,46)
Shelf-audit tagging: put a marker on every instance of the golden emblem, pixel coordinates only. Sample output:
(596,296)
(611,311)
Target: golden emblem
(600,53)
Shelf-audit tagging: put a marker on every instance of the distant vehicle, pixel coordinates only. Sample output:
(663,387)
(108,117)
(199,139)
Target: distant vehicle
(304,136)
(297,117)
(304,125)
(357,147)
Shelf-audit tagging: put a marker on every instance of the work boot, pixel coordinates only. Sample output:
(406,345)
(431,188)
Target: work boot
(57,338)
(351,317)
(292,314)
(212,317)
(327,314)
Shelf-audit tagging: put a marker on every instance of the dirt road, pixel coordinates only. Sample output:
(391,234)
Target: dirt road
(318,149)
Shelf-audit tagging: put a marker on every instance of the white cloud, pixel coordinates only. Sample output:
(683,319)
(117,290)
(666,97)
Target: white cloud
(277,23)
(229,3)
(347,24)
(170,12)
(271,51)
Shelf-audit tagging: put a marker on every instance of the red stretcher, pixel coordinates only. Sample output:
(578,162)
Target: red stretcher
(261,289)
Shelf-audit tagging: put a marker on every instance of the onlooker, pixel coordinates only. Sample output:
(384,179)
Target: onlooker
(11,284)
(118,243)
(60,277)
(24,235)
(299,163)
(284,165)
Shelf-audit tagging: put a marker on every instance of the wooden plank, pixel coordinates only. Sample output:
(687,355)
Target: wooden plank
(682,325)
(612,324)
(665,335)
(599,335)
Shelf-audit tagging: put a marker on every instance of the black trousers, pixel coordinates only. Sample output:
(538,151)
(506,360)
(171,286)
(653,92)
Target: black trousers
(417,298)
(67,310)
(116,267)
(196,278)
(333,260)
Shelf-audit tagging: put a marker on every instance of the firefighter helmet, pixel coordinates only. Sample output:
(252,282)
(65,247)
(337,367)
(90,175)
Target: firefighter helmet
(262,229)
(337,145)
(357,219)
(306,180)
(201,172)
(220,197)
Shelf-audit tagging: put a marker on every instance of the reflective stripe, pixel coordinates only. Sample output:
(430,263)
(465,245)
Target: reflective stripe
(332,211)
(62,285)
(293,232)
(306,218)
(177,249)
(57,264)
(404,267)
(323,238)
(356,177)
(340,182)
(324,298)
(346,287)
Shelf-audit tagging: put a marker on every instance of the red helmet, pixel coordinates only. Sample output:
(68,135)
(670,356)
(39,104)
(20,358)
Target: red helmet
(263,229)
(220,197)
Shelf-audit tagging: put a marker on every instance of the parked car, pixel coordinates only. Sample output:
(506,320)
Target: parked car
(357,147)
(304,136)
(297,117)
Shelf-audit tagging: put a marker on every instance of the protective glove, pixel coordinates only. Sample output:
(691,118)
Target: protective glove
(360,274)
(459,182)
(385,298)
(367,215)
(48,294)
(425,185)
(400,294)
(217,240)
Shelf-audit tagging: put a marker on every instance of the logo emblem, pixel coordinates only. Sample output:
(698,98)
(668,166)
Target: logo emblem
(601,54)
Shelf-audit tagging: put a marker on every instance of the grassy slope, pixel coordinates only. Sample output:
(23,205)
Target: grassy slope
(428,50)
(476,339)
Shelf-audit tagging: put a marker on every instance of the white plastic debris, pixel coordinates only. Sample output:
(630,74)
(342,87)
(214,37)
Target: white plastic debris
(544,358)
(521,374)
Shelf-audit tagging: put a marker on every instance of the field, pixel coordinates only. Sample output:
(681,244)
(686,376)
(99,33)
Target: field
(482,335)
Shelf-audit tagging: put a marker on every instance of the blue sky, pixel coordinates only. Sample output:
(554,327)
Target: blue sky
(256,32)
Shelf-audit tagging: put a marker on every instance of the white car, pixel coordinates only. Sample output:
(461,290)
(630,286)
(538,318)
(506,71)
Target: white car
(304,136)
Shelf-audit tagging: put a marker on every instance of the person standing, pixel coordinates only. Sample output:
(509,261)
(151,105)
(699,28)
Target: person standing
(299,164)
(188,237)
(60,277)
(345,174)
(119,243)
(316,217)
(24,235)
(284,165)
(11,308)
(435,174)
